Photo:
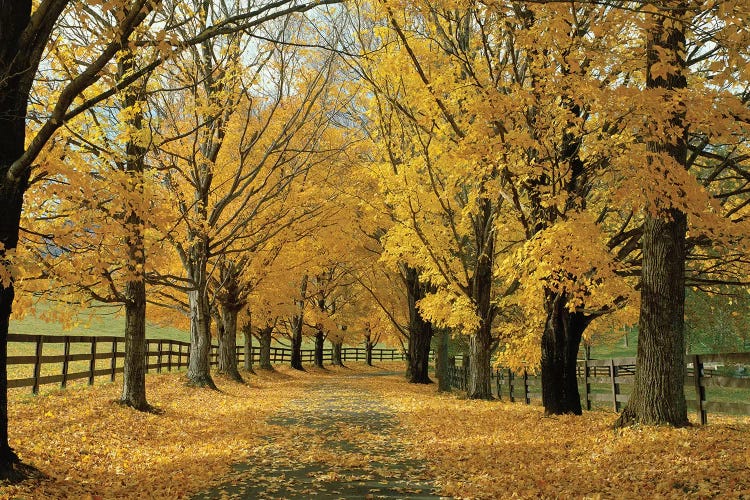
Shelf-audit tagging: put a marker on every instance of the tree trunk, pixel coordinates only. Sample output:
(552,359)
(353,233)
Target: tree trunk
(658,396)
(134,375)
(320,338)
(228,364)
(297,343)
(561,339)
(265,348)
(420,331)
(368,347)
(441,362)
(135,365)
(199,374)
(297,322)
(14,16)
(419,355)
(480,343)
(247,332)
(336,356)
(480,369)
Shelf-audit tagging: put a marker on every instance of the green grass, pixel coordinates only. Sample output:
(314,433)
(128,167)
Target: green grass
(105,323)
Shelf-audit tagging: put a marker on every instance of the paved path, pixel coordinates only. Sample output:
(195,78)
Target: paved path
(340,447)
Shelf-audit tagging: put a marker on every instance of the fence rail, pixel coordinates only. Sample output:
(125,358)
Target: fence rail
(82,357)
(603,381)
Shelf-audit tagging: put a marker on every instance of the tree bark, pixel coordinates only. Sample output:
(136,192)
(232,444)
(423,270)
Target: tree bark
(297,322)
(199,363)
(368,347)
(480,369)
(265,348)
(481,342)
(135,364)
(658,395)
(228,364)
(297,343)
(336,356)
(419,355)
(247,332)
(561,339)
(14,16)
(420,331)
(134,374)
(441,362)
(320,338)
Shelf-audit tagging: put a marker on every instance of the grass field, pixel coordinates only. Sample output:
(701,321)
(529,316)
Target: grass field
(104,323)
(107,322)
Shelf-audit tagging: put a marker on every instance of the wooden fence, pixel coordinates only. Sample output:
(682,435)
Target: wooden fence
(608,381)
(504,383)
(59,359)
(706,389)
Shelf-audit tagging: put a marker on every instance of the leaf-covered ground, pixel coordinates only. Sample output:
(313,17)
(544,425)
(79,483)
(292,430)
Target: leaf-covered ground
(338,441)
(344,433)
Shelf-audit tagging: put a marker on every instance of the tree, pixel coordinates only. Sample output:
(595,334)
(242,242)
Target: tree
(25,32)
(259,127)
(296,323)
(442,188)
(97,185)
(660,398)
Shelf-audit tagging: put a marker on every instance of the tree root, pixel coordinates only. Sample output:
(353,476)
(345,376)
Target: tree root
(143,407)
(202,381)
(233,375)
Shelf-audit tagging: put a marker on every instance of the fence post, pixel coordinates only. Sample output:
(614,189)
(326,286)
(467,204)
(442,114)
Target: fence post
(92,362)
(66,361)
(158,357)
(113,365)
(37,364)
(700,391)
(510,387)
(526,387)
(498,383)
(614,385)
(169,355)
(147,354)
